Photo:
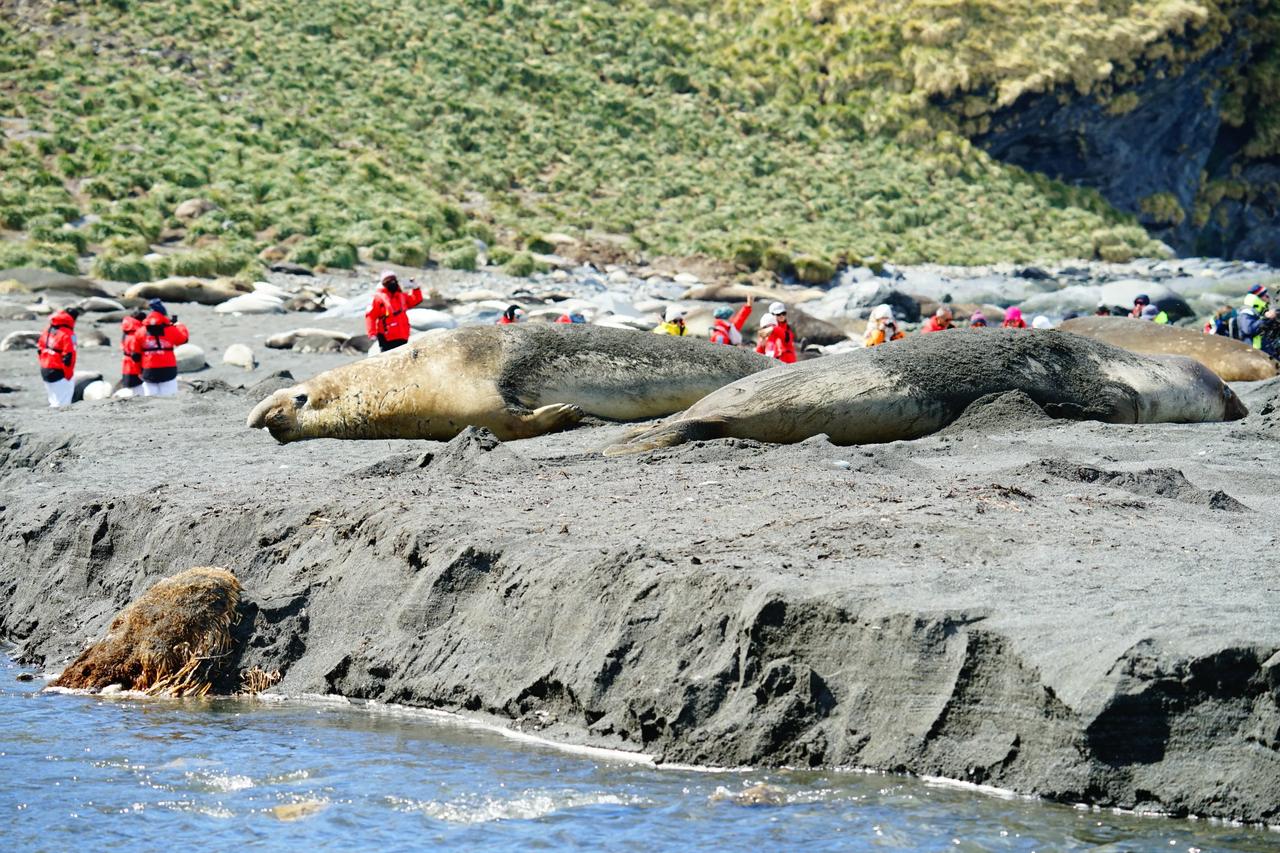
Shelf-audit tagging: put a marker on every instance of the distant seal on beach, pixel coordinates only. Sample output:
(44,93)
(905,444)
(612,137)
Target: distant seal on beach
(83,380)
(286,340)
(186,290)
(918,385)
(1232,360)
(170,641)
(517,381)
(97,390)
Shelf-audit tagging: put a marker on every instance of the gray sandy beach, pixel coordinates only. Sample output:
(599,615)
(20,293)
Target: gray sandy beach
(1082,611)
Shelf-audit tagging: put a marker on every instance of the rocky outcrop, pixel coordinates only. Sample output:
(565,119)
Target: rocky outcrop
(1152,148)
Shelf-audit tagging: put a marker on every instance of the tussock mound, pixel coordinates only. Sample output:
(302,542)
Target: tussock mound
(167,643)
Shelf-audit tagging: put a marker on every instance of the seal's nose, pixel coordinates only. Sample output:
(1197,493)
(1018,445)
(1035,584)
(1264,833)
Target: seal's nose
(1235,407)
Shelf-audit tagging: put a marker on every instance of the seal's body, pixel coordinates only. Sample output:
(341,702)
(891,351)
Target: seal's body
(187,290)
(517,381)
(916,386)
(1233,361)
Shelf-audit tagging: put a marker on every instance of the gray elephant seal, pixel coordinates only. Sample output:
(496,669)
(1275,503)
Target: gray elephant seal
(1233,361)
(917,386)
(517,381)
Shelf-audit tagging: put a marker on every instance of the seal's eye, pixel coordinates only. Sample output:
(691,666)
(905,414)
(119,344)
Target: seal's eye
(299,400)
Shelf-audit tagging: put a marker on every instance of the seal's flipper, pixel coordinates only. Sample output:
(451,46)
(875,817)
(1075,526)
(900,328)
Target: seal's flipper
(545,419)
(669,435)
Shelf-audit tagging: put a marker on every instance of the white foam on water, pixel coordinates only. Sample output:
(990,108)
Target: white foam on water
(530,805)
(404,711)
(226,782)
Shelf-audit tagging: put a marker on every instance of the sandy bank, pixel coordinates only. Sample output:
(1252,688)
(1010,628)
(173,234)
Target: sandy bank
(1080,611)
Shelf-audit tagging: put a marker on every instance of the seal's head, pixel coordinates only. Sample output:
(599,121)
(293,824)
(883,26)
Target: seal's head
(282,414)
(1232,406)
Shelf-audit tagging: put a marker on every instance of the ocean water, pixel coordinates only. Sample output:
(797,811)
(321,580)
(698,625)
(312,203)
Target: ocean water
(91,772)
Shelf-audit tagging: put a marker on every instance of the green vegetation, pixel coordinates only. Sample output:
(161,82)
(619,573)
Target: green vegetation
(778,135)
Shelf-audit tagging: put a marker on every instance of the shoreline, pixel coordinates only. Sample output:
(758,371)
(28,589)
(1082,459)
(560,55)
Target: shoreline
(483,723)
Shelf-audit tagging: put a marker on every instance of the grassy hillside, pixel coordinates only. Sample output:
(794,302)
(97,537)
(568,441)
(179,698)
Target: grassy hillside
(780,134)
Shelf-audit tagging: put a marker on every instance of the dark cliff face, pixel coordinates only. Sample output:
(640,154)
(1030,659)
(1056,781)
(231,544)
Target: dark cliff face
(1164,149)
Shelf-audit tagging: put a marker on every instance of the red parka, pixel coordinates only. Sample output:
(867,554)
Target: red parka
(131,364)
(57,348)
(780,343)
(156,341)
(720,333)
(386,315)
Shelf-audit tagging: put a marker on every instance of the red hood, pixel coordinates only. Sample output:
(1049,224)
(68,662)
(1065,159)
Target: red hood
(62,318)
(155,318)
(129,325)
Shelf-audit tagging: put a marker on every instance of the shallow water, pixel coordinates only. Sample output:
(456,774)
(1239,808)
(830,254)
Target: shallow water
(153,774)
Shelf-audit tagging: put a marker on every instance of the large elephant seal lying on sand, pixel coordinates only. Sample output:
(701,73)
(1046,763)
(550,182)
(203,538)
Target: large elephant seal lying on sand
(916,386)
(168,642)
(518,381)
(1233,361)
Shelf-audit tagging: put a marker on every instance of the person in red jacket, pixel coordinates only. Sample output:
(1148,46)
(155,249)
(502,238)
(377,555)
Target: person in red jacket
(386,321)
(941,321)
(156,341)
(780,341)
(727,328)
(56,349)
(511,316)
(131,363)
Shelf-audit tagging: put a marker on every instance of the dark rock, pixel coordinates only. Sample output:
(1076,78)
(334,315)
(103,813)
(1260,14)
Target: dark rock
(290,268)
(905,307)
(270,384)
(207,386)
(809,330)
(1163,145)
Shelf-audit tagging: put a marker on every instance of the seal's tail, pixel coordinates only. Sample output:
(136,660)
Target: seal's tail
(668,434)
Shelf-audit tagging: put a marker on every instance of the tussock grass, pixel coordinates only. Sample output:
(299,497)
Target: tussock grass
(783,135)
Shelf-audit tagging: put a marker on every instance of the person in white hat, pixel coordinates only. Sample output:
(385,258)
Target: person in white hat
(779,342)
(881,327)
(673,322)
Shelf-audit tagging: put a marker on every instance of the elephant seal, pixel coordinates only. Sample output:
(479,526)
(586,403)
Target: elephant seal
(21,339)
(38,281)
(186,290)
(517,381)
(258,302)
(84,380)
(239,355)
(921,384)
(286,340)
(168,642)
(1232,360)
